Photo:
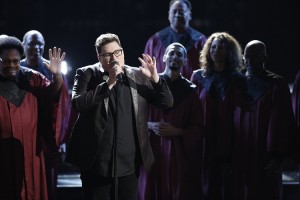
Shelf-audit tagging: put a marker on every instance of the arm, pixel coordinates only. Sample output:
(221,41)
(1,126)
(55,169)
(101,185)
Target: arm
(84,98)
(168,130)
(161,95)
(281,130)
(191,125)
(165,129)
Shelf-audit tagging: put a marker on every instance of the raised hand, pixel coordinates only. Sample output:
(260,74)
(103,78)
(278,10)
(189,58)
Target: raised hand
(148,67)
(55,61)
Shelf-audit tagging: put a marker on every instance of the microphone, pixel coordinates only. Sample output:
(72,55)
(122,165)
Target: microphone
(120,77)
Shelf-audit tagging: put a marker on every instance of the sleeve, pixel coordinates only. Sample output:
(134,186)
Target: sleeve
(47,109)
(281,130)
(53,105)
(84,99)
(62,114)
(161,95)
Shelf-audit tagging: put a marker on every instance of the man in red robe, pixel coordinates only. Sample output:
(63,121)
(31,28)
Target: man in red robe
(264,130)
(175,136)
(178,31)
(25,96)
(34,43)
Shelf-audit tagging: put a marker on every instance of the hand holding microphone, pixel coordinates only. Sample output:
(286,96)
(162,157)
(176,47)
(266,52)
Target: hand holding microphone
(116,73)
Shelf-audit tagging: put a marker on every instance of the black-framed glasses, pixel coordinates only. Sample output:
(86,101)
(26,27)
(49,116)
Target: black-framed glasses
(10,61)
(117,53)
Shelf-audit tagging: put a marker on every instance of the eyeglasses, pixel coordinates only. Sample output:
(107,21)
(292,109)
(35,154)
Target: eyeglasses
(117,53)
(8,61)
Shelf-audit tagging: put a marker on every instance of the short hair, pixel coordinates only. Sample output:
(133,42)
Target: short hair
(105,39)
(178,45)
(186,2)
(11,42)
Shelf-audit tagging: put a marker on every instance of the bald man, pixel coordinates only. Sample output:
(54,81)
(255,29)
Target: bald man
(265,130)
(34,43)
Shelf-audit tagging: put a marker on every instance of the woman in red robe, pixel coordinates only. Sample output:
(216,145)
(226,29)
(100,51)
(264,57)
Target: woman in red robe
(220,87)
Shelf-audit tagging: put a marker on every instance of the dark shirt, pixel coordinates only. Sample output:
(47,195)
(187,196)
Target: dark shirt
(180,89)
(119,126)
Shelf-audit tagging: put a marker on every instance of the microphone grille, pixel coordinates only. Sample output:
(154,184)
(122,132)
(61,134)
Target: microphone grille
(114,62)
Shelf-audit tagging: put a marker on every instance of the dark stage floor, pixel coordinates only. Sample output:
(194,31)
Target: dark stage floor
(69,184)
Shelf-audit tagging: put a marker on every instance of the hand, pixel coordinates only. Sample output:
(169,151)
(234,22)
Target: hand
(55,61)
(164,129)
(148,67)
(113,74)
(62,149)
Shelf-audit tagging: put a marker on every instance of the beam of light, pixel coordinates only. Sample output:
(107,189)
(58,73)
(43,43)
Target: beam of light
(64,68)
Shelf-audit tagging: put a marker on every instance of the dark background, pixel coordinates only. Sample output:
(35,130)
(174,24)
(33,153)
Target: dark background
(75,25)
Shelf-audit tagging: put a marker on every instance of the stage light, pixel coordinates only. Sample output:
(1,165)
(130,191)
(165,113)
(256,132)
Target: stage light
(64,67)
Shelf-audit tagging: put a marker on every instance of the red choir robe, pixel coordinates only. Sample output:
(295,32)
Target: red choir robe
(191,39)
(24,127)
(63,106)
(219,94)
(176,172)
(60,120)
(264,131)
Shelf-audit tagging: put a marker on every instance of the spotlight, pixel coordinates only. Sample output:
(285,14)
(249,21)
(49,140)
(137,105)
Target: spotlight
(64,67)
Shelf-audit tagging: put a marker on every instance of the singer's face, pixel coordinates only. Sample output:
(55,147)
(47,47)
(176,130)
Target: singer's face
(110,48)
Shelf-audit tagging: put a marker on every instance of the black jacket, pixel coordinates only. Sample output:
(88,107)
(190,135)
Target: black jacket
(90,98)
